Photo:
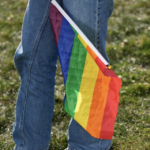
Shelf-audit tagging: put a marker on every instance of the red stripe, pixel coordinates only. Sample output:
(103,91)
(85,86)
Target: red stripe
(109,73)
(100,64)
(104,69)
(55,19)
(111,109)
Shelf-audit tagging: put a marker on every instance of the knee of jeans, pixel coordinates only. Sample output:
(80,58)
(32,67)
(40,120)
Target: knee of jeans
(19,59)
(109,6)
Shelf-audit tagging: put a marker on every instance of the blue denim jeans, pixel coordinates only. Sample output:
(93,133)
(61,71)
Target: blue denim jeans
(35,59)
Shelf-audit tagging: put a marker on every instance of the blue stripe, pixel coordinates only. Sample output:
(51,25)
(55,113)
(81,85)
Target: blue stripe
(65,44)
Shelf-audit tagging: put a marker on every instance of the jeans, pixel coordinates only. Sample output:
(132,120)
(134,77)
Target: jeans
(35,59)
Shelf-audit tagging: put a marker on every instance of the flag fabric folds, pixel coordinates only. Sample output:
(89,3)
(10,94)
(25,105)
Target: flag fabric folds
(91,89)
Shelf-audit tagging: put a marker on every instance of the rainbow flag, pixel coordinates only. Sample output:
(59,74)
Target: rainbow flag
(92,88)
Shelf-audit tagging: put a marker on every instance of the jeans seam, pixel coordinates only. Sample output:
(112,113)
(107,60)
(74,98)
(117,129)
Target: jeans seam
(97,25)
(69,146)
(37,39)
(21,131)
(18,148)
(108,147)
(46,148)
(100,142)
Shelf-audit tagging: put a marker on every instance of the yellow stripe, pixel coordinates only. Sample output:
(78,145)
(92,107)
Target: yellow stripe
(85,96)
(82,41)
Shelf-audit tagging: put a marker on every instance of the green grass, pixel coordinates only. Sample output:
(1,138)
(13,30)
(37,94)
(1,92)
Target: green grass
(128,48)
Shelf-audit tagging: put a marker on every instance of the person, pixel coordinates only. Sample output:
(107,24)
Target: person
(35,59)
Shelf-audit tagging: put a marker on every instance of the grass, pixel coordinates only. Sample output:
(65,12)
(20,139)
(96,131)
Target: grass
(128,48)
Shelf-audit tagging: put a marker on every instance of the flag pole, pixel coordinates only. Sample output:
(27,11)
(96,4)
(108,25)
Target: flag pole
(79,32)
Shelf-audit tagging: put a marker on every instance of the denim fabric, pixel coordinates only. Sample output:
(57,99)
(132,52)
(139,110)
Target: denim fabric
(35,59)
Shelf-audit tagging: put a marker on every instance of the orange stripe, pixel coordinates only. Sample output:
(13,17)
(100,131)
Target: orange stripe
(93,55)
(98,104)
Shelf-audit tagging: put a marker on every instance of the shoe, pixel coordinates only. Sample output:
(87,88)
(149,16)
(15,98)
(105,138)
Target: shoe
(111,148)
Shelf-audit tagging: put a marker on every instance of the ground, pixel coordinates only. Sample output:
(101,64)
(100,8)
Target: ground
(128,48)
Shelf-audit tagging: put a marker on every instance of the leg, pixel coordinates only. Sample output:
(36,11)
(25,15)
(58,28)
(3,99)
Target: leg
(35,60)
(92,17)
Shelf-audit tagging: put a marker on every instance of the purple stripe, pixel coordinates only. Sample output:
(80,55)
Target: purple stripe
(55,19)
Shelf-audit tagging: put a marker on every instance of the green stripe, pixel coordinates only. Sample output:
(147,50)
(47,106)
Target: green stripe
(74,77)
